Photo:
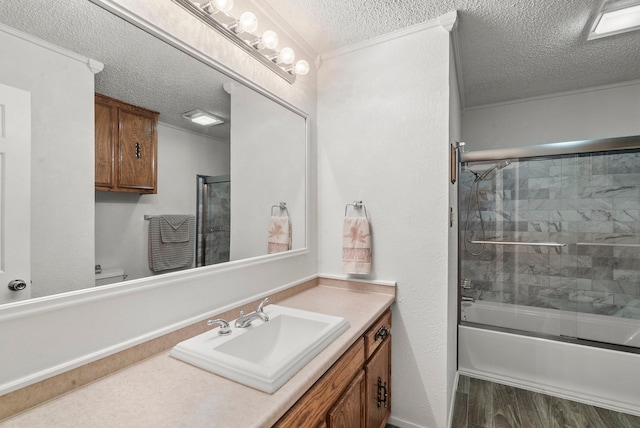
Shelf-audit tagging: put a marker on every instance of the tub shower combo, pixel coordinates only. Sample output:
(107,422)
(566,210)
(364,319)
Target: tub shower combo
(549,268)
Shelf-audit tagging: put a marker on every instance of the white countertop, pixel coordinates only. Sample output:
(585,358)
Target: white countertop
(164,392)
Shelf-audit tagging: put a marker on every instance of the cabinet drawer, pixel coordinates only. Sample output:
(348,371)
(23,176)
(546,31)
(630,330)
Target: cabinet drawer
(311,409)
(379,333)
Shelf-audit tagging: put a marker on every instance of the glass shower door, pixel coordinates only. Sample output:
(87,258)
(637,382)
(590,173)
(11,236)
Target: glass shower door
(515,264)
(214,220)
(550,246)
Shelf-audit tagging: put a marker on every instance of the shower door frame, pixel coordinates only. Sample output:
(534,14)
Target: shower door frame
(202,179)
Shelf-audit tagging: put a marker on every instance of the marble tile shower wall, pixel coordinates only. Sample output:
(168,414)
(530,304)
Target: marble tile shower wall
(586,199)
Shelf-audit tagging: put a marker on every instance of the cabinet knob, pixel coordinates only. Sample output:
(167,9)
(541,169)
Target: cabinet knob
(382,333)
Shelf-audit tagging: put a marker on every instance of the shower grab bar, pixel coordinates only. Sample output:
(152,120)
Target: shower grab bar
(597,244)
(534,244)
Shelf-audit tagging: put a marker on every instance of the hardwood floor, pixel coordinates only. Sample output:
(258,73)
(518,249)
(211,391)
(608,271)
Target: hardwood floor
(483,404)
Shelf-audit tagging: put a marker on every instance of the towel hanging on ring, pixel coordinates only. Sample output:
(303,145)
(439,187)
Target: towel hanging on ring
(356,243)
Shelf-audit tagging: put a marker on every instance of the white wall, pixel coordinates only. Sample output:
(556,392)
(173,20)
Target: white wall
(81,327)
(61,90)
(121,231)
(608,111)
(383,134)
(268,164)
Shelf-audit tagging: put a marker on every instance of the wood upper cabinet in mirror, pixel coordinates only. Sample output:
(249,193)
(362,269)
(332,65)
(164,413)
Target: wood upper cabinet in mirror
(126,147)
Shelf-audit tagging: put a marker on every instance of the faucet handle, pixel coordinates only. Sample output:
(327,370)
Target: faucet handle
(224,326)
(261,305)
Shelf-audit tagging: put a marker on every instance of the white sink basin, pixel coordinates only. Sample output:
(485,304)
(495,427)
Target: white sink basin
(265,355)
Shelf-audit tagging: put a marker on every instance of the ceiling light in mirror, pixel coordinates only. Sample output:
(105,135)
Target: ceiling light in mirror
(616,18)
(202,117)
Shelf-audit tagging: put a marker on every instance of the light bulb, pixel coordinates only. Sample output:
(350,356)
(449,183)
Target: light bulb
(216,6)
(223,5)
(301,68)
(269,39)
(286,56)
(247,22)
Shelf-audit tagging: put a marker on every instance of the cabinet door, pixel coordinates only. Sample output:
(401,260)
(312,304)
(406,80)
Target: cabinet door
(137,151)
(378,380)
(312,408)
(105,145)
(348,412)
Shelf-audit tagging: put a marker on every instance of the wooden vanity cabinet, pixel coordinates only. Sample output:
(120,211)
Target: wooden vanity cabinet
(349,411)
(126,147)
(355,391)
(378,372)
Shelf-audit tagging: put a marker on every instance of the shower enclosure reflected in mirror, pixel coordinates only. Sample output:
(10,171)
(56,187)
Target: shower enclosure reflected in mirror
(213,223)
(75,228)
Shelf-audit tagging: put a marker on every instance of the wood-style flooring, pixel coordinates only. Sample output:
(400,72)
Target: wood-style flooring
(483,404)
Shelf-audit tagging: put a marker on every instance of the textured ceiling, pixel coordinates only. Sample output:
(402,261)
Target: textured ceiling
(509,49)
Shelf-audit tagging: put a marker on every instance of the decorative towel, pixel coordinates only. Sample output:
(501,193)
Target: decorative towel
(356,245)
(171,242)
(279,235)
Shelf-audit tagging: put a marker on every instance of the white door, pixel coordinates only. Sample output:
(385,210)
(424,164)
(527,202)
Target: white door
(15,194)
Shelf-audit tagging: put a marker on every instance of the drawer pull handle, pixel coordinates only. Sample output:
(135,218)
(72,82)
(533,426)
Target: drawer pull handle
(138,151)
(382,393)
(382,333)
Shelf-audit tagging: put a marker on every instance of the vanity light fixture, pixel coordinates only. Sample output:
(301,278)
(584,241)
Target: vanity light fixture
(202,117)
(215,13)
(269,40)
(616,17)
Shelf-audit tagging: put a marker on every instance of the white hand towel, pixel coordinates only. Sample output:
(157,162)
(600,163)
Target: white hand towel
(356,245)
(279,235)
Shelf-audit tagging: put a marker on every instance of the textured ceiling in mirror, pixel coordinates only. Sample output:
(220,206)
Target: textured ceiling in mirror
(139,68)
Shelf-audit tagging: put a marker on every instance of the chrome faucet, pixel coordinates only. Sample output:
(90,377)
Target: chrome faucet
(224,326)
(245,321)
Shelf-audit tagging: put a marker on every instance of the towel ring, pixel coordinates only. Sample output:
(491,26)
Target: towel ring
(357,205)
(282,206)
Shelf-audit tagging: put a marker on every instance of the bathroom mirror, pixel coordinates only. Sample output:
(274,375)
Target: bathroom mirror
(262,146)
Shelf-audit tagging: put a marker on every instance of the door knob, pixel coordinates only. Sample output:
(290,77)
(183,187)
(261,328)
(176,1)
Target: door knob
(17,285)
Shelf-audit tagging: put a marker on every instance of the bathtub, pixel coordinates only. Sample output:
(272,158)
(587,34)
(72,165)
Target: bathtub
(598,376)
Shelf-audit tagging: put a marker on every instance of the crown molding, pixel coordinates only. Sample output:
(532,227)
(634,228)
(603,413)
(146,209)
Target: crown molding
(445,19)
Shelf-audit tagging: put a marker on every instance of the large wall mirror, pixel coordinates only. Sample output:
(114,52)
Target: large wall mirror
(240,171)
